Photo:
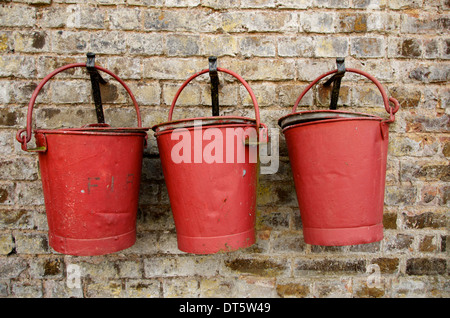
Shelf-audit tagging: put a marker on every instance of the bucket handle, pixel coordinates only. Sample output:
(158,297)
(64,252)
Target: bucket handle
(243,82)
(25,139)
(386,99)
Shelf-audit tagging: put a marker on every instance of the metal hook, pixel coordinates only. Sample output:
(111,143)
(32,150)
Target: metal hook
(336,80)
(214,85)
(96,78)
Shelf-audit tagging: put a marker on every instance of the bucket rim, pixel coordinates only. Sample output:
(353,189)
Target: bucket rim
(95,130)
(321,115)
(205,121)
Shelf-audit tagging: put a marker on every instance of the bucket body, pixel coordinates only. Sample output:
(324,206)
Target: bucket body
(210,166)
(338,161)
(90,179)
(339,168)
(91,187)
(213,200)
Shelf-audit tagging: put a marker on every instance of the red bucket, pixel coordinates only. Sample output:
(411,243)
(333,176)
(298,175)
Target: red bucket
(338,161)
(212,193)
(90,179)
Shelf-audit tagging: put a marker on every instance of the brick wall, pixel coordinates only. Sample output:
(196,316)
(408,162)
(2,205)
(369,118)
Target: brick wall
(278,46)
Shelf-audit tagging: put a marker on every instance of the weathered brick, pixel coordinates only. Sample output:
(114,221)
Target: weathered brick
(258,267)
(125,19)
(182,45)
(331,47)
(31,243)
(398,242)
(426,266)
(17,16)
(317,22)
(85,17)
(70,42)
(257,46)
(296,46)
(424,220)
(322,266)
(367,47)
(145,43)
(180,287)
(354,22)
(181,20)
(140,288)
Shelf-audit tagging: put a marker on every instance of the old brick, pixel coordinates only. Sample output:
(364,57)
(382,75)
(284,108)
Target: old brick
(250,286)
(428,244)
(387,265)
(15,219)
(31,243)
(431,74)
(331,47)
(329,265)
(180,287)
(70,42)
(260,267)
(126,19)
(6,244)
(180,20)
(47,268)
(219,45)
(390,220)
(425,220)
(107,42)
(259,21)
(257,46)
(293,290)
(295,46)
(424,23)
(266,69)
(17,66)
(399,242)
(174,68)
(140,288)
(426,266)
(216,287)
(411,48)
(145,43)
(28,289)
(17,16)
(424,123)
(355,22)
(367,47)
(395,195)
(105,289)
(182,45)
(288,243)
(427,171)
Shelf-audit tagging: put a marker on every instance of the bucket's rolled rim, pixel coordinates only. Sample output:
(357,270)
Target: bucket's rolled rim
(320,115)
(96,130)
(202,121)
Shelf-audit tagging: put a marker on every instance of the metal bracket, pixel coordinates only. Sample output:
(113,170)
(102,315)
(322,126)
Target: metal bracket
(96,78)
(336,80)
(214,85)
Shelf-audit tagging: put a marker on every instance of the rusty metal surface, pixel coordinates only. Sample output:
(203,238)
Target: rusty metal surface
(317,115)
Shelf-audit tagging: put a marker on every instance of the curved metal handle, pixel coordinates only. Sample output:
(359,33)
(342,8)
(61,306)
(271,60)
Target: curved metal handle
(25,139)
(386,99)
(252,95)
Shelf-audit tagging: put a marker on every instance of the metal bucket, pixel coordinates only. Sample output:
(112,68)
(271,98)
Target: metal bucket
(90,179)
(213,200)
(338,162)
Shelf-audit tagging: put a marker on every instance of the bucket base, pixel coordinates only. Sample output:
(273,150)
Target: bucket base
(91,247)
(343,236)
(215,244)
